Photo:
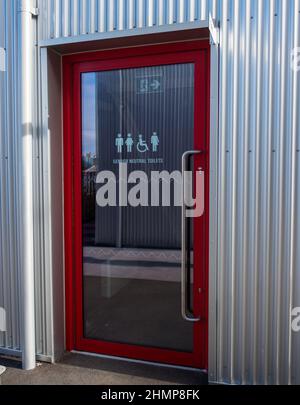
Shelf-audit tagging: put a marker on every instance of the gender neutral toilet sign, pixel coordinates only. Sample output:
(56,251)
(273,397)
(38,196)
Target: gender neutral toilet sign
(140,143)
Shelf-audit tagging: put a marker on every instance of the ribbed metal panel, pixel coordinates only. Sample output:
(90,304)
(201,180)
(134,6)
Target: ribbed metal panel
(10,200)
(259,193)
(9,183)
(65,18)
(258,215)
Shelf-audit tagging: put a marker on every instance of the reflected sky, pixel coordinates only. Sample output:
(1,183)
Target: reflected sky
(88,113)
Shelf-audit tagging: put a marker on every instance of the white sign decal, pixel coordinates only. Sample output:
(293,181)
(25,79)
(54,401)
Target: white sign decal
(149,84)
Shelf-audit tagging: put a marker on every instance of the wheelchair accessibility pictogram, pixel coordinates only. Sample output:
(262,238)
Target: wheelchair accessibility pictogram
(142,146)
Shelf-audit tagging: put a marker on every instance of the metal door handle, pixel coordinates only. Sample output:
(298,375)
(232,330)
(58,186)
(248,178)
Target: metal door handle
(184,270)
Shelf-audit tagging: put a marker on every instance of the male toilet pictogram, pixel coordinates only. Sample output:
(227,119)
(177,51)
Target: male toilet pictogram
(119,143)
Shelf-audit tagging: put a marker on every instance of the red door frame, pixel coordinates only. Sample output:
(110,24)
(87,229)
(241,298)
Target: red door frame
(197,52)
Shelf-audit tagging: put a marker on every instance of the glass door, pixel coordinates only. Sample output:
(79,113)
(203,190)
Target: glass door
(140,163)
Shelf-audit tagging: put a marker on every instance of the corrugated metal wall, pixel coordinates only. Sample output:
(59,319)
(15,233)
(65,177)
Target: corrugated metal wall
(258,265)
(64,18)
(10,200)
(9,180)
(259,193)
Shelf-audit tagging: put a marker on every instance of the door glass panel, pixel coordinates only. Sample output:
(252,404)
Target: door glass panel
(136,123)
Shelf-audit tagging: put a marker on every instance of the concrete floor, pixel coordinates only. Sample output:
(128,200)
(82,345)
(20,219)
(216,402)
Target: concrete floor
(80,369)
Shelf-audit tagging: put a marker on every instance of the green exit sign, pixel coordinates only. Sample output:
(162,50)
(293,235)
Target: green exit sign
(149,84)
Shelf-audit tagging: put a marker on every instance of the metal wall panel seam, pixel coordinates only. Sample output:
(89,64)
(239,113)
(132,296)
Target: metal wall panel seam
(110,16)
(15,113)
(214,7)
(121,15)
(82,17)
(2,137)
(131,14)
(213,225)
(269,132)
(283,56)
(235,120)
(51,18)
(2,118)
(293,194)
(240,139)
(228,156)
(257,180)
(203,10)
(246,113)
(192,10)
(46,203)
(40,219)
(66,18)
(181,11)
(273,189)
(4,202)
(93,16)
(263,266)
(251,291)
(101,15)
(287,201)
(295,159)
(45,244)
(11,159)
(171,12)
(222,194)
(48,17)
(57,18)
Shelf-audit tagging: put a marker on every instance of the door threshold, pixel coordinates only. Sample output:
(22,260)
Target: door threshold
(136,361)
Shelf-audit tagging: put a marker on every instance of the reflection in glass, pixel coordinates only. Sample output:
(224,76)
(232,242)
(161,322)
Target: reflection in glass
(132,255)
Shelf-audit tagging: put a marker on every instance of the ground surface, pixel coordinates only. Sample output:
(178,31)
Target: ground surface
(82,370)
